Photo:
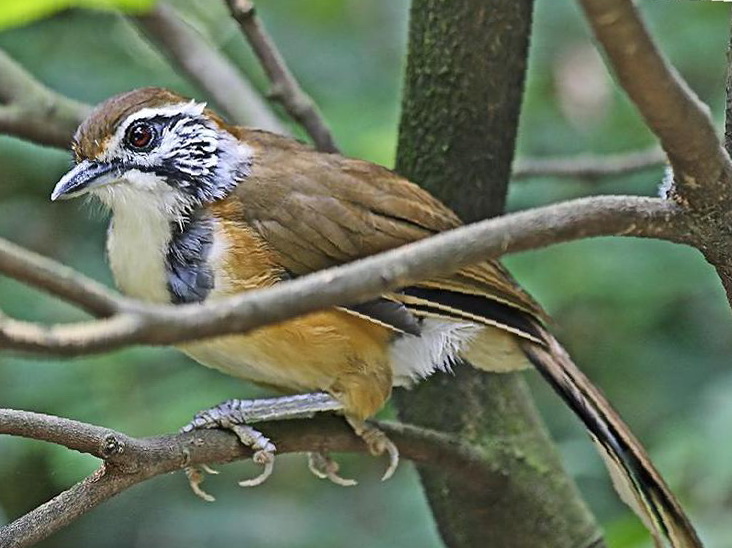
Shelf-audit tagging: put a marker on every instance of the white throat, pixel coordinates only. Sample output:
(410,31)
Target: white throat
(143,208)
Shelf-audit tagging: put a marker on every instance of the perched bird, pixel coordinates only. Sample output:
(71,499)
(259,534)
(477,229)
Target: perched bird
(202,210)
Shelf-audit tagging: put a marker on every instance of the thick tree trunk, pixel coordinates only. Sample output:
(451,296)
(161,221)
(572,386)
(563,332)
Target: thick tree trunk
(462,97)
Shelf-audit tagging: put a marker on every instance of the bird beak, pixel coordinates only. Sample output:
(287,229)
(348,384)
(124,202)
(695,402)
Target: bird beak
(85,176)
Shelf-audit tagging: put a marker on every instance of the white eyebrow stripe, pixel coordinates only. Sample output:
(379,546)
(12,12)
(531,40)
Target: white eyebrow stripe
(191,108)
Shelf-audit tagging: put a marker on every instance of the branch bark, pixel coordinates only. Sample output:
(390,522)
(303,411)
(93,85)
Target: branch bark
(59,280)
(128,461)
(285,88)
(30,110)
(135,323)
(728,97)
(208,68)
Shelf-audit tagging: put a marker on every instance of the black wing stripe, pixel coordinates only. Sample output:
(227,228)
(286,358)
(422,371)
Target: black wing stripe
(478,306)
(390,313)
(422,310)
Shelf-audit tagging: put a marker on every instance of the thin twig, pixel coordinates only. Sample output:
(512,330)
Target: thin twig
(30,110)
(208,68)
(285,88)
(129,461)
(355,282)
(589,167)
(702,168)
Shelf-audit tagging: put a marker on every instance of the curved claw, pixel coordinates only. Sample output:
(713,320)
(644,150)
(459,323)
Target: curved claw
(265,458)
(263,454)
(206,468)
(195,479)
(378,444)
(324,467)
(393,459)
(315,465)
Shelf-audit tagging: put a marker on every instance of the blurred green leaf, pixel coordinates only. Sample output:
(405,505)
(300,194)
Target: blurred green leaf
(15,13)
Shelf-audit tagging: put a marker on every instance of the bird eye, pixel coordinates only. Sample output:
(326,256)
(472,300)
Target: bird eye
(140,135)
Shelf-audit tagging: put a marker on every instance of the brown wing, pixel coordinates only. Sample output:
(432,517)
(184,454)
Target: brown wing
(319,210)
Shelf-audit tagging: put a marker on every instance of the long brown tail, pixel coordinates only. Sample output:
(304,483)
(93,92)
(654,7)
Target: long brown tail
(634,477)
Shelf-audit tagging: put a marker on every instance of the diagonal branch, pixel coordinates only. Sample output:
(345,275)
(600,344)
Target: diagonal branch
(30,110)
(703,170)
(285,88)
(129,461)
(702,166)
(589,167)
(57,279)
(208,68)
(356,282)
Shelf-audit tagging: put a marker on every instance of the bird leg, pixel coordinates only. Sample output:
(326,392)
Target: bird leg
(236,415)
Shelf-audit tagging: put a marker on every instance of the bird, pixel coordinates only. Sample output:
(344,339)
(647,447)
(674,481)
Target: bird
(202,209)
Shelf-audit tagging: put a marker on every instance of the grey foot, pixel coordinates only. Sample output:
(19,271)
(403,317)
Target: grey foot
(263,449)
(235,415)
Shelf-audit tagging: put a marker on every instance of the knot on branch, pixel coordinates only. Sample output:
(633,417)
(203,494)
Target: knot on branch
(111,446)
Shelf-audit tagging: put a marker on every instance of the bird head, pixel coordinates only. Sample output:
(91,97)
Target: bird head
(153,145)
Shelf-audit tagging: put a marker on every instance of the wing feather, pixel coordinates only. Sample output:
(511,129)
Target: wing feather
(318,210)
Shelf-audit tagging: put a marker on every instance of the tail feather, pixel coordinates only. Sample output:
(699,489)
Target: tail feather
(634,477)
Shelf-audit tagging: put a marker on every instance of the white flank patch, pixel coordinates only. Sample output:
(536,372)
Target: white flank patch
(436,349)
(143,207)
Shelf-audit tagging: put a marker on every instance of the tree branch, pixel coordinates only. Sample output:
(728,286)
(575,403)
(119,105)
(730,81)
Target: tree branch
(702,168)
(30,110)
(589,167)
(59,280)
(208,68)
(129,461)
(368,278)
(285,88)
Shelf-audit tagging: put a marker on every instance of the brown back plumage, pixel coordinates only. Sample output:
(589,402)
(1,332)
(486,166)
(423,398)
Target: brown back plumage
(318,210)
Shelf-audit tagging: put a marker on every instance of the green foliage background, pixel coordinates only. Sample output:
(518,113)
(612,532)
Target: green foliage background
(20,12)
(647,320)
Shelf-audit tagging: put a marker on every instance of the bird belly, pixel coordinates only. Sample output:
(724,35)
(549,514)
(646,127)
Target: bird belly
(304,354)
(350,356)
(311,352)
